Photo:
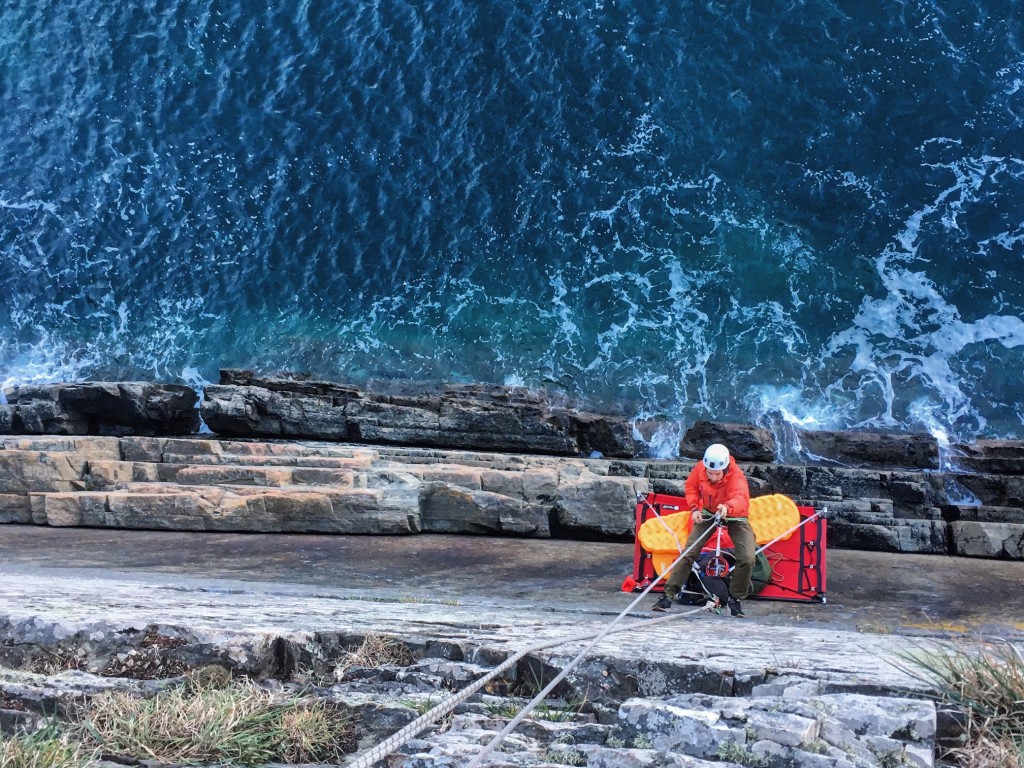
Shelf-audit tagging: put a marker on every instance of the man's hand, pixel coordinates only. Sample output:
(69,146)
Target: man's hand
(697,516)
(723,511)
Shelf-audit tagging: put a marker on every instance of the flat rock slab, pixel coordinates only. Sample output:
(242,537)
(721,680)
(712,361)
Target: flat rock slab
(870,592)
(716,642)
(249,595)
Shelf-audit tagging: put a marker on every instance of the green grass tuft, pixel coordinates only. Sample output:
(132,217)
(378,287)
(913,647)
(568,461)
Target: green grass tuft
(46,748)
(237,724)
(988,686)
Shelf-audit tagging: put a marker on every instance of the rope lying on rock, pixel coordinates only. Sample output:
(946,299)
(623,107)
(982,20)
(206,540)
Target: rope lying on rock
(393,742)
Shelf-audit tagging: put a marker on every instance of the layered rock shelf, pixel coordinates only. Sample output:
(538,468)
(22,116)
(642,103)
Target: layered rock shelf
(200,484)
(468,460)
(736,693)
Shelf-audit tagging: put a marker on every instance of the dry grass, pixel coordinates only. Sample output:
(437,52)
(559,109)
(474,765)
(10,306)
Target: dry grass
(376,651)
(238,724)
(988,685)
(43,749)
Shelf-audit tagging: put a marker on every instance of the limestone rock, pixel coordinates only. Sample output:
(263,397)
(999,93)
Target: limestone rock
(860,449)
(745,442)
(102,408)
(978,539)
(467,417)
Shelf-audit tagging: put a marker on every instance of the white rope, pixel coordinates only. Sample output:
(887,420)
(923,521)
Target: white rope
(393,742)
(783,535)
(679,545)
(493,744)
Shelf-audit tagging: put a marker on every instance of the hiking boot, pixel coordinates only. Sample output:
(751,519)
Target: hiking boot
(663,604)
(735,608)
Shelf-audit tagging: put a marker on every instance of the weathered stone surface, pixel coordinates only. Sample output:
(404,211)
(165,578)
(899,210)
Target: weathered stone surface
(745,442)
(983,514)
(365,510)
(15,508)
(258,412)
(518,494)
(451,509)
(598,506)
(1005,457)
(978,539)
(475,417)
(25,471)
(850,729)
(988,489)
(243,475)
(89,448)
(920,536)
(103,408)
(861,449)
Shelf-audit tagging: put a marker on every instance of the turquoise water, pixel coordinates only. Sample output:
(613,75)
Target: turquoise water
(809,212)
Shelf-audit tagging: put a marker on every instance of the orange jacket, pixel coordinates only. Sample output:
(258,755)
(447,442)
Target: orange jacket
(732,490)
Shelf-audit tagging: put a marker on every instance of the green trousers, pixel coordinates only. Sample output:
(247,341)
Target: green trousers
(745,546)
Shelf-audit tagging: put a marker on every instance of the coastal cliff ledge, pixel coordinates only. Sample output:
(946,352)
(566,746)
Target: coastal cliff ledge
(304,456)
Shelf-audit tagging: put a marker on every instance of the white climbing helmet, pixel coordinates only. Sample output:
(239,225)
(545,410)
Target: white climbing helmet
(716,457)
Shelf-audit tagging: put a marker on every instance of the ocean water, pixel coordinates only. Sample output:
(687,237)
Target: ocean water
(783,213)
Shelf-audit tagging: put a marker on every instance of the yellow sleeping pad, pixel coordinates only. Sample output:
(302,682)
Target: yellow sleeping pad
(772,516)
(660,543)
(654,537)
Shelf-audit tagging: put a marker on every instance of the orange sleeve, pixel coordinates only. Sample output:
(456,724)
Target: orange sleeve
(738,493)
(693,483)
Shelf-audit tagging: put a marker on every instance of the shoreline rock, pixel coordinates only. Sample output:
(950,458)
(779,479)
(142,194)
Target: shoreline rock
(317,487)
(100,408)
(466,460)
(638,695)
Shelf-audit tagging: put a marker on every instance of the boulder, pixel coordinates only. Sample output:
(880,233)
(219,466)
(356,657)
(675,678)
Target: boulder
(472,417)
(744,441)
(869,449)
(102,408)
(591,506)
(451,509)
(982,539)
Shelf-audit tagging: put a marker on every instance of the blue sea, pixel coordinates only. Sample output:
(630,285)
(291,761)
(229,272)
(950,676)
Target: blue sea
(805,213)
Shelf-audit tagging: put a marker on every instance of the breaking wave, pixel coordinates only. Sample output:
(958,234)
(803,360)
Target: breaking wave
(674,211)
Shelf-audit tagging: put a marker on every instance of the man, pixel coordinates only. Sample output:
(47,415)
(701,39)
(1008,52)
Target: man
(716,485)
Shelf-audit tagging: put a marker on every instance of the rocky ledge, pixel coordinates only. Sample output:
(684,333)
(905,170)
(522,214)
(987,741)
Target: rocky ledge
(733,694)
(466,460)
(208,484)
